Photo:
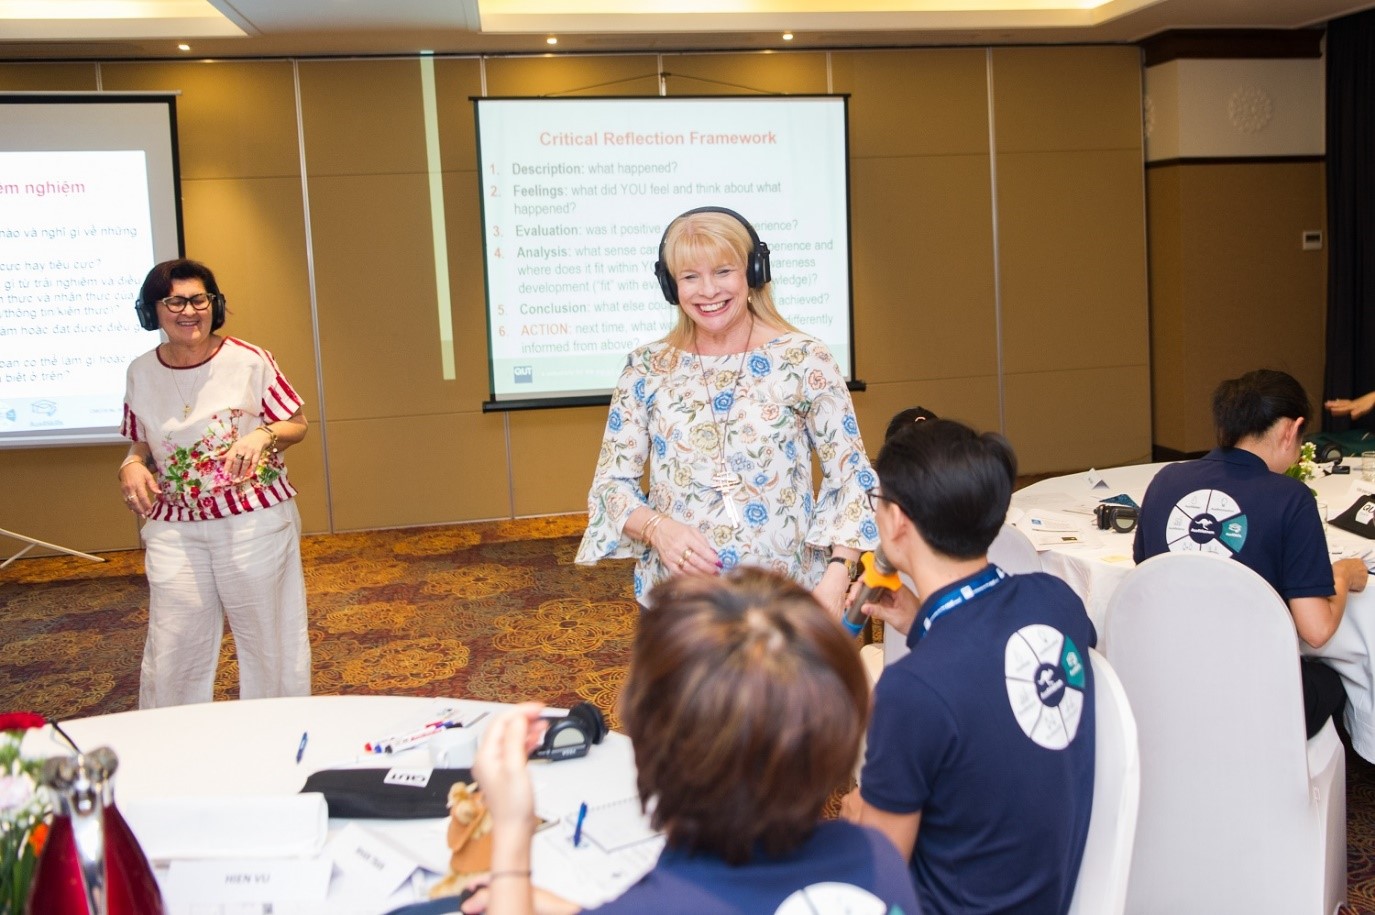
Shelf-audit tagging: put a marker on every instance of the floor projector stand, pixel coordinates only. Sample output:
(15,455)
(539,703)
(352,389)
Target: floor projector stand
(33,543)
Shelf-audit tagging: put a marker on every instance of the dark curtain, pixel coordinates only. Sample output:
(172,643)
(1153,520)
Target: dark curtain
(1350,209)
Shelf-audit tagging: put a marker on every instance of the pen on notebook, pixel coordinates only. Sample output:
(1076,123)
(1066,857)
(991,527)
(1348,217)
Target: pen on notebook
(577,828)
(301,748)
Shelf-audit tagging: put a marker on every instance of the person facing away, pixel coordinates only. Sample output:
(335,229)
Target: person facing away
(746,704)
(980,753)
(1236,502)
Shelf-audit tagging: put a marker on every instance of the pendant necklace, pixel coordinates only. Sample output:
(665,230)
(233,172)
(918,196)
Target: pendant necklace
(195,382)
(725,480)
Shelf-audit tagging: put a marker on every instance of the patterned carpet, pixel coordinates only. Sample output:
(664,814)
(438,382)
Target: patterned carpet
(493,611)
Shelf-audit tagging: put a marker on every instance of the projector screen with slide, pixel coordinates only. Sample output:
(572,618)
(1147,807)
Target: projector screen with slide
(88,203)
(577,192)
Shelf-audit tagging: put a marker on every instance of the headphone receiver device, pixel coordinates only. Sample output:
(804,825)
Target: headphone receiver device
(572,735)
(757,271)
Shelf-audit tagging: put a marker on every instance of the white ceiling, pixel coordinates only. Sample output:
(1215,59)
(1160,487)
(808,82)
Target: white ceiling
(68,29)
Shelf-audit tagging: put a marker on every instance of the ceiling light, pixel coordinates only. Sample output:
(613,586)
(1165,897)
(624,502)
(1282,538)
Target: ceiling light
(551,40)
(183,47)
(787,36)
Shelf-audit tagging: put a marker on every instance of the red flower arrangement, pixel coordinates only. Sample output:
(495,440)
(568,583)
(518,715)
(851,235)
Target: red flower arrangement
(24,811)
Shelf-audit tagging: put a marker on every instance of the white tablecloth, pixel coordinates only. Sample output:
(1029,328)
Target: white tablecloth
(1099,560)
(247,750)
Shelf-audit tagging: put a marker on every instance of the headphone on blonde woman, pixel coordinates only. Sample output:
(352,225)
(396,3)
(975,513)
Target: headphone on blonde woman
(757,271)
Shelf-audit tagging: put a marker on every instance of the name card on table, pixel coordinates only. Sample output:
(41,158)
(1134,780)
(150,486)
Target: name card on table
(369,866)
(196,885)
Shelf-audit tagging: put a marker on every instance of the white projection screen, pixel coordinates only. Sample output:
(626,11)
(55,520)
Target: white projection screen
(89,202)
(576,193)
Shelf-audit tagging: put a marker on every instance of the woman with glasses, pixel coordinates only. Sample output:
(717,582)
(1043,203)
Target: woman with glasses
(209,416)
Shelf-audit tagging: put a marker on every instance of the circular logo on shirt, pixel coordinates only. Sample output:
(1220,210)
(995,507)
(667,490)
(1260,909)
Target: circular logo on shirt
(1045,684)
(1206,521)
(837,898)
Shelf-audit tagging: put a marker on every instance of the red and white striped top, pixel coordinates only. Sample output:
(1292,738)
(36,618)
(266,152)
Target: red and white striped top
(191,416)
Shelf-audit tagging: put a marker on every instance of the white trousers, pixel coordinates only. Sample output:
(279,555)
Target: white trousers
(246,567)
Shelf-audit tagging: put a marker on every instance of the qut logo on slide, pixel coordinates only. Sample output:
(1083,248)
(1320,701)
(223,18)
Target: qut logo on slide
(522,374)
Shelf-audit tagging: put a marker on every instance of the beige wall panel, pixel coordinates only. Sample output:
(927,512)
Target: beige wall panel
(234,119)
(398,471)
(1170,387)
(455,83)
(518,76)
(48,77)
(374,271)
(363,117)
(923,268)
(1067,98)
(553,455)
(66,496)
(1071,236)
(972,400)
(1072,420)
(1253,298)
(252,234)
(929,102)
(793,73)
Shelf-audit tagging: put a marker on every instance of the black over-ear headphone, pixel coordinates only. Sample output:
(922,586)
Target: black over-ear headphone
(148,312)
(756,267)
(572,735)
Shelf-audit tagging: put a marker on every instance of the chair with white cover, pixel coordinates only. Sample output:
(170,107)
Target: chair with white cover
(1101,887)
(1011,551)
(1238,812)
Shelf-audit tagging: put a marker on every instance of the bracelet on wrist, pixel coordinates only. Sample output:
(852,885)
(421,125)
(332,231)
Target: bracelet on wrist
(131,459)
(495,874)
(272,443)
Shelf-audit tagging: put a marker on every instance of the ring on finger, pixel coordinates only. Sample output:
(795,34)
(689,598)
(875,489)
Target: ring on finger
(687,554)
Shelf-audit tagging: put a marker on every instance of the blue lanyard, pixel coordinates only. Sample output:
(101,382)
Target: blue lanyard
(981,583)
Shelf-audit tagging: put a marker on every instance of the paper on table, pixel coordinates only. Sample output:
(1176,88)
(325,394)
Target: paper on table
(1049,540)
(276,826)
(614,825)
(587,874)
(229,885)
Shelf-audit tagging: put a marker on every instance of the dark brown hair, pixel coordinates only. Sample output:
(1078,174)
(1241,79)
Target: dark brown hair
(1251,404)
(746,703)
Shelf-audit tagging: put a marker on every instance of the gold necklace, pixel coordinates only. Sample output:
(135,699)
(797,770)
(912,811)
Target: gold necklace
(195,383)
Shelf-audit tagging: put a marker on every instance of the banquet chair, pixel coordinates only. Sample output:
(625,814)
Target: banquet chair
(1010,551)
(1238,812)
(1101,887)
(1013,552)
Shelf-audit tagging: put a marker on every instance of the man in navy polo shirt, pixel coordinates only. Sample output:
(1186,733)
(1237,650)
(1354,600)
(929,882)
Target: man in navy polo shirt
(981,746)
(1236,502)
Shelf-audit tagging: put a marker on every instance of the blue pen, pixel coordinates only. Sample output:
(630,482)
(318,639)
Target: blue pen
(301,750)
(577,829)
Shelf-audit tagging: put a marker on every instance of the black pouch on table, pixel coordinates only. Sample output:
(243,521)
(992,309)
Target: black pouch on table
(1359,518)
(363,794)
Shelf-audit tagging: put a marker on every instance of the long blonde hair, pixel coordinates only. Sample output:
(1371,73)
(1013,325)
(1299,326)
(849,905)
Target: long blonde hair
(714,238)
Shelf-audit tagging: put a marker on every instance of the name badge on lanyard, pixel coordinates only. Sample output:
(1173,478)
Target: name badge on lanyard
(985,581)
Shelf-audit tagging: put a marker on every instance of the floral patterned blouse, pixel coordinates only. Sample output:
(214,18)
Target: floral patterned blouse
(189,417)
(776,405)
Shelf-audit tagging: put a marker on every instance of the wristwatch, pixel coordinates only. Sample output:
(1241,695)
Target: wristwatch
(852,568)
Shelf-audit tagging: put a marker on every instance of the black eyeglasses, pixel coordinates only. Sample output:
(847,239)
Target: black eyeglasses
(873,495)
(176,304)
